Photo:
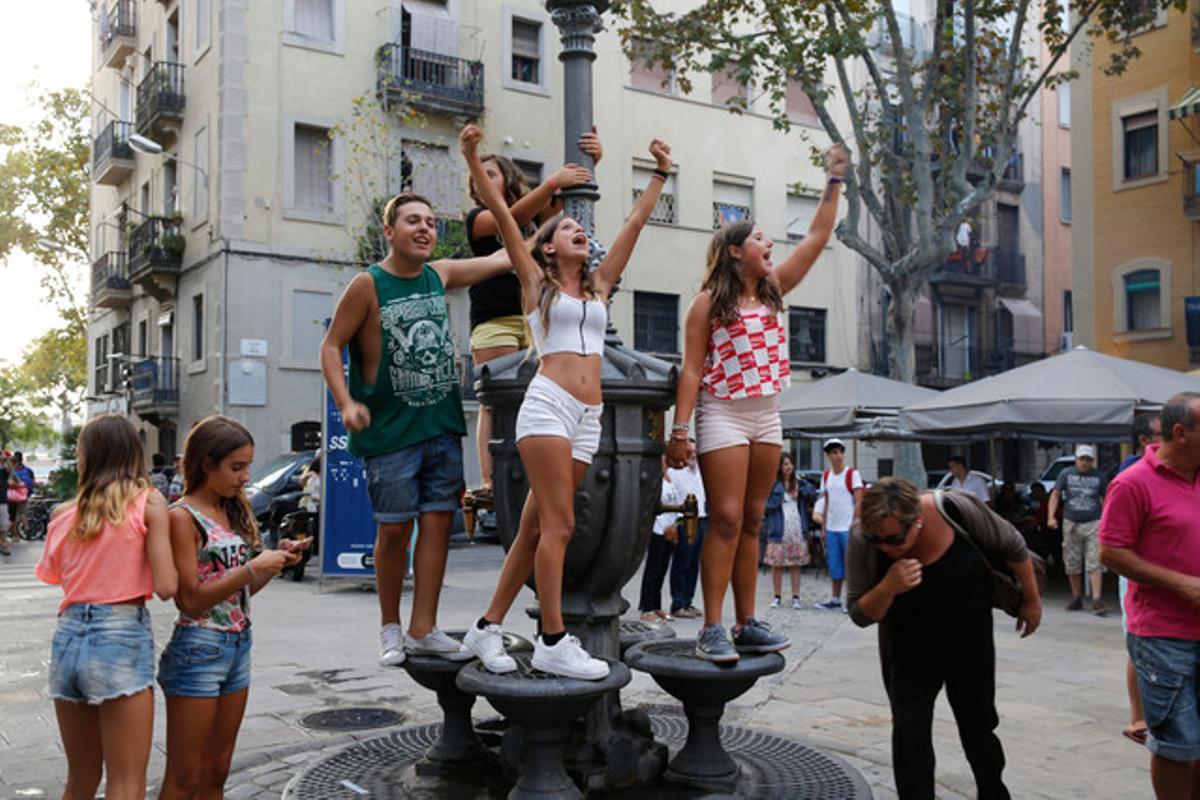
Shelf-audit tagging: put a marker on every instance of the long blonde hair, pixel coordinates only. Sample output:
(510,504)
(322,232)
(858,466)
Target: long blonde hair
(722,274)
(551,279)
(112,474)
(207,444)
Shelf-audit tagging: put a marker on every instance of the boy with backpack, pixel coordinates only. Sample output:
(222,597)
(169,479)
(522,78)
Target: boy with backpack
(841,488)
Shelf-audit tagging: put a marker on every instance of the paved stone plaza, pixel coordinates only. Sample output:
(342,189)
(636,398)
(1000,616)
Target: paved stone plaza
(1061,692)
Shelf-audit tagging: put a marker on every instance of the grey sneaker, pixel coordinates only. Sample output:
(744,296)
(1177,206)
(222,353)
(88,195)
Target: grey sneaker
(755,637)
(713,645)
(436,643)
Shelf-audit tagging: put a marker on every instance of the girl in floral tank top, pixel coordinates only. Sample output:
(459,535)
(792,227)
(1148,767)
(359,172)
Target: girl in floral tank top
(735,364)
(205,669)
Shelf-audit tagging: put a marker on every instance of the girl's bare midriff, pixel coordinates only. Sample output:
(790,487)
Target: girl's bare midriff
(579,375)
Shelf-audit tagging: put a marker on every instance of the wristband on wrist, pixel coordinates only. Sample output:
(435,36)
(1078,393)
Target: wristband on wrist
(678,436)
(836,179)
(250,570)
(553,186)
(680,426)
(661,173)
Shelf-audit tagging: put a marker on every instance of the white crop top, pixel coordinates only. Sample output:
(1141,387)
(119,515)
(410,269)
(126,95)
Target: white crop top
(576,326)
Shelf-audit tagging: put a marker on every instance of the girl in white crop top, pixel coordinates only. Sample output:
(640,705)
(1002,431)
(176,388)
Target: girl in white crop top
(565,304)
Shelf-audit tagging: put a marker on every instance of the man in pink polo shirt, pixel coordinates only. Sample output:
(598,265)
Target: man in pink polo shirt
(1150,533)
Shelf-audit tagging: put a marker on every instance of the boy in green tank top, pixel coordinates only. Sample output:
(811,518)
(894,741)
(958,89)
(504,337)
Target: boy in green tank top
(403,409)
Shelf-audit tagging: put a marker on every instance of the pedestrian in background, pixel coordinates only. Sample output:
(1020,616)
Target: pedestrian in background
(1080,489)
(18,501)
(841,487)
(917,567)
(659,550)
(109,548)
(1150,533)
(685,562)
(205,669)
(787,529)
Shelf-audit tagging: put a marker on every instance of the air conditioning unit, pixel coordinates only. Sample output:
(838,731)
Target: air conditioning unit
(1064,341)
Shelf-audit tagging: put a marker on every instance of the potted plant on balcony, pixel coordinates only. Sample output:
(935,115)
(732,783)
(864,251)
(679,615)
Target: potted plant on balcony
(173,244)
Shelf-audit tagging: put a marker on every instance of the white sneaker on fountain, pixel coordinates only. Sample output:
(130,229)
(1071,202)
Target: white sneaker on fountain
(568,659)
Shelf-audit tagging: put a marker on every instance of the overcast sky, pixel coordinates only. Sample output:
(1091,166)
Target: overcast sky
(46,42)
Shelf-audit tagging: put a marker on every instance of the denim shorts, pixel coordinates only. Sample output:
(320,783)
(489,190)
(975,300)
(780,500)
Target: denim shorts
(101,652)
(201,662)
(1166,674)
(836,543)
(550,410)
(423,478)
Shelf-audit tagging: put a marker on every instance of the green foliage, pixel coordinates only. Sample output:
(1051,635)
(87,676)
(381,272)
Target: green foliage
(64,481)
(44,188)
(54,367)
(452,240)
(20,420)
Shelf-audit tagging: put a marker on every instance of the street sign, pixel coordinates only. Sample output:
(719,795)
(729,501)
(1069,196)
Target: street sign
(347,523)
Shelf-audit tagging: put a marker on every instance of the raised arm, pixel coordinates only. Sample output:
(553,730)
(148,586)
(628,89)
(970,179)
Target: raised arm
(527,269)
(348,317)
(622,247)
(458,272)
(691,370)
(793,268)
(534,202)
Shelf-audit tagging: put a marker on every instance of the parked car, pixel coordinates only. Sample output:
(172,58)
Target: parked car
(1050,474)
(274,491)
(943,482)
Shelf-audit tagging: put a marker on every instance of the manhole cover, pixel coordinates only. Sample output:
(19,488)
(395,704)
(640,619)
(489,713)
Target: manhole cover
(352,719)
(772,766)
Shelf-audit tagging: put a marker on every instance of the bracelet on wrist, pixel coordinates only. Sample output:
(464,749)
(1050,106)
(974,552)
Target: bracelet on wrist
(250,570)
(661,173)
(680,426)
(836,179)
(553,186)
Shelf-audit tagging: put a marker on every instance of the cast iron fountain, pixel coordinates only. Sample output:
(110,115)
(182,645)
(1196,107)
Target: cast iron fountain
(570,738)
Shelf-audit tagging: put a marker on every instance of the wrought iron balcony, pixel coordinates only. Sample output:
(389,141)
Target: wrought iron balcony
(155,255)
(1191,190)
(432,82)
(154,386)
(1013,177)
(1009,266)
(112,157)
(118,33)
(110,281)
(160,101)
(971,267)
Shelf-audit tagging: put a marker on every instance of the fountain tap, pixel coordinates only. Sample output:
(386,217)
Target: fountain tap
(473,500)
(689,509)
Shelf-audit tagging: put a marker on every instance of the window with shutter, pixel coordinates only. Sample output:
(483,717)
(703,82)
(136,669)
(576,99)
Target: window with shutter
(314,18)
(526,51)
(313,165)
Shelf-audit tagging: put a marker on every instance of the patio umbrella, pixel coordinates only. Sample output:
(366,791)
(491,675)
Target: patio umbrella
(1080,395)
(852,403)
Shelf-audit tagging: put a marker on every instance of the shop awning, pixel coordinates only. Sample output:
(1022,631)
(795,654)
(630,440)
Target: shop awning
(1188,104)
(1028,336)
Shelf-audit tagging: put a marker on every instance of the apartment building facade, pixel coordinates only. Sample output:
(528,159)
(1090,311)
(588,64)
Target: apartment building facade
(1136,241)
(218,258)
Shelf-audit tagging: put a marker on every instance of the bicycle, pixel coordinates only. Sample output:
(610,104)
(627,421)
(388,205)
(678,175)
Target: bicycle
(37,517)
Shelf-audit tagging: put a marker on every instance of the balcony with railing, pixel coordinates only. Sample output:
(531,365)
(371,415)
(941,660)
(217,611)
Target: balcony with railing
(160,101)
(1013,177)
(432,82)
(155,255)
(118,33)
(154,386)
(110,281)
(1191,190)
(112,156)
(1008,266)
(972,266)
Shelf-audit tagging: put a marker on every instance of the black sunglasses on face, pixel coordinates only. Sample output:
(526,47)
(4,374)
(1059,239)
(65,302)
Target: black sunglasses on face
(894,540)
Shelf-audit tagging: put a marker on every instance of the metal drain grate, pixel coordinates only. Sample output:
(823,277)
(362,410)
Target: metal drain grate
(772,766)
(352,719)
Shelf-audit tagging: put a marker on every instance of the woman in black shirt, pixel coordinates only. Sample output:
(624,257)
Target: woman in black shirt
(497,325)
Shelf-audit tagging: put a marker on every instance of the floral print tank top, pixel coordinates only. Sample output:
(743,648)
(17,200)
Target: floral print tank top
(221,550)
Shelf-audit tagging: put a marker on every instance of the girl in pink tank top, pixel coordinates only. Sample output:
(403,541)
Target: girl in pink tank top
(205,669)
(109,550)
(735,363)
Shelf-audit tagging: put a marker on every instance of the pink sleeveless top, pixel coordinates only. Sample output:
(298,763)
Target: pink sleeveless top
(748,357)
(109,568)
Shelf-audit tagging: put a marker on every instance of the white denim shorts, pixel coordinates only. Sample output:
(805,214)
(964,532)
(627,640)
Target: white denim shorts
(550,410)
(732,423)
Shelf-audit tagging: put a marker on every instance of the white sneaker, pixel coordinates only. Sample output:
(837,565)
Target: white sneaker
(796,603)
(487,644)
(775,602)
(438,644)
(391,654)
(568,659)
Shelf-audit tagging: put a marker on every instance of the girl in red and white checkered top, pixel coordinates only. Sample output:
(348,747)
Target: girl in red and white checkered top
(736,350)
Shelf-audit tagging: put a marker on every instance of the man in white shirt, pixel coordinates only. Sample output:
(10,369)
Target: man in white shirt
(967,481)
(685,562)
(658,553)
(841,487)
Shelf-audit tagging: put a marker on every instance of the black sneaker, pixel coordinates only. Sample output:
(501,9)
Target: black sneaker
(713,645)
(755,637)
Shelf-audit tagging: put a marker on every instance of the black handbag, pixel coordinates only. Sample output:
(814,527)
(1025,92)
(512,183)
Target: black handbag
(1006,589)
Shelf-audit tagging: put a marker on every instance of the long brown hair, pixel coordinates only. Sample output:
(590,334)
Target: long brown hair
(722,274)
(790,483)
(112,473)
(515,186)
(207,445)
(551,279)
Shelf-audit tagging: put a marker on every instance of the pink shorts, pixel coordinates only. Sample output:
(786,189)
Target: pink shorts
(733,423)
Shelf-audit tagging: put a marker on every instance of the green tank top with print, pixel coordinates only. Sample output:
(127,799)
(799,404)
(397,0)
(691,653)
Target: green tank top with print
(416,395)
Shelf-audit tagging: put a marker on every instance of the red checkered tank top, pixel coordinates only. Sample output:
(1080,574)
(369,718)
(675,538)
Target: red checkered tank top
(748,357)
